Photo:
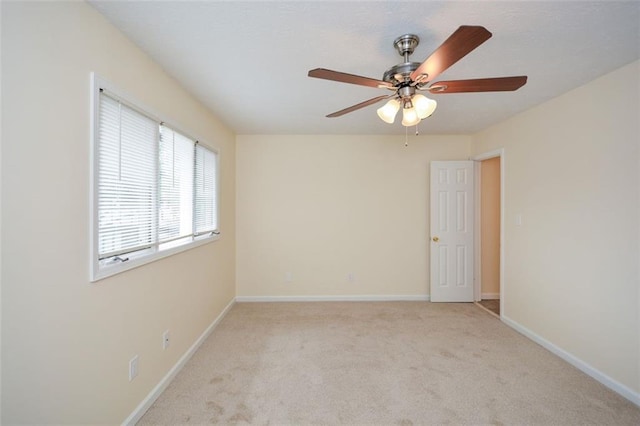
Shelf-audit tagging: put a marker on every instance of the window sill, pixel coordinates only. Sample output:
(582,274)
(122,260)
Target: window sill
(99,272)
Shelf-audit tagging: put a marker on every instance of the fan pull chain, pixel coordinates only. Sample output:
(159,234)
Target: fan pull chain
(406,135)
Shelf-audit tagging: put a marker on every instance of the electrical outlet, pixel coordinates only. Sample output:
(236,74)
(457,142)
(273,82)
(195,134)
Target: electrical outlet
(133,368)
(288,277)
(351,277)
(165,340)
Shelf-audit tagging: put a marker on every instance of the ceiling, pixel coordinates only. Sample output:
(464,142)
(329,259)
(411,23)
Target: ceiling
(248,61)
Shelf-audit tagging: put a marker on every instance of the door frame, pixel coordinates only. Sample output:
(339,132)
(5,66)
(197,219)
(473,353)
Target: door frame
(477,293)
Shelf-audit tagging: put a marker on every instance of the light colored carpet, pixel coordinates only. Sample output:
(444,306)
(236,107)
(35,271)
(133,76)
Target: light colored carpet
(382,363)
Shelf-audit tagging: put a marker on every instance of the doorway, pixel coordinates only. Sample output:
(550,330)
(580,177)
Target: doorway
(457,207)
(489,293)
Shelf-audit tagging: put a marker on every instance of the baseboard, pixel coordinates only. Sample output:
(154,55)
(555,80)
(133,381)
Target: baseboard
(347,298)
(137,414)
(612,384)
(490,296)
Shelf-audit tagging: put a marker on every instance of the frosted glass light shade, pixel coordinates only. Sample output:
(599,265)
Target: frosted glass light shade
(410,117)
(423,105)
(387,112)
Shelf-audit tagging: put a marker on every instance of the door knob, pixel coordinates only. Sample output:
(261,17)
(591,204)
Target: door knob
(435,239)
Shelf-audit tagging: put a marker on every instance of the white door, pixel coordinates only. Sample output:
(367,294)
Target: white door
(452,231)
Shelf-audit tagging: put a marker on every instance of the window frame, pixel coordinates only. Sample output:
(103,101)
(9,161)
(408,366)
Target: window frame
(99,270)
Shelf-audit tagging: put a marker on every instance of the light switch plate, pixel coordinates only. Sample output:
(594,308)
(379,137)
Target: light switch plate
(133,368)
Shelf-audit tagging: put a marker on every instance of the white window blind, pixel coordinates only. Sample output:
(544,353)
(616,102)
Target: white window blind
(155,189)
(175,219)
(126,179)
(206,209)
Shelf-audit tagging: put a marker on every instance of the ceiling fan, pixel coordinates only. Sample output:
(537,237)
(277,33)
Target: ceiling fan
(407,78)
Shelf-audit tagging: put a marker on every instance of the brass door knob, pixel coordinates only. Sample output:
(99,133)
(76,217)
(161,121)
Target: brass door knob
(435,239)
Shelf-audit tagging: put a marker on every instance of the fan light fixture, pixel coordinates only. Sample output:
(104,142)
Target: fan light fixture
(414,108)
(388,111)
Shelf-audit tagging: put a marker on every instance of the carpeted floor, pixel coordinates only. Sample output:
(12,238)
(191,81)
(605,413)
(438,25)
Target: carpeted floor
(384,363)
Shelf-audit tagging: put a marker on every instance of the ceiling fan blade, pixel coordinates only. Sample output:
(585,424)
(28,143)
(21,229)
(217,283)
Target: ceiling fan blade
(358,106)
(459,44)
(499,84)
(348,78)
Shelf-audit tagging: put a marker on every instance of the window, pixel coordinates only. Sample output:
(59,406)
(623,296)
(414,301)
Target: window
(155,190)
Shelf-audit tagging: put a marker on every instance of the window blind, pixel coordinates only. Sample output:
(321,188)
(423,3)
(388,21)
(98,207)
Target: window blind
(175,213)
(127,144)
(206,209)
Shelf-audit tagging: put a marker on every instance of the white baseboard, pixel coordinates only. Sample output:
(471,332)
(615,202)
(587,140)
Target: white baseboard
(137,414)
(490,296)
(612,384)
(346,298)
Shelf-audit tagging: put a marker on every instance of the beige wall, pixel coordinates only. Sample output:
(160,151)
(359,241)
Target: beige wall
(67,342)
(571,269)
(490,227)
(321,207)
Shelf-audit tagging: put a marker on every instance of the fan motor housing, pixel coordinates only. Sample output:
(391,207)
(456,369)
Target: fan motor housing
(400,73)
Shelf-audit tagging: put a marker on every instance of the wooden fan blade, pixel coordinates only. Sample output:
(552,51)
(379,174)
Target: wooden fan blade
(499,84)
(358,106)
(347,78)
(459,44)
